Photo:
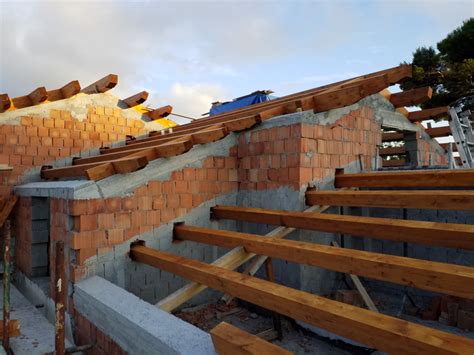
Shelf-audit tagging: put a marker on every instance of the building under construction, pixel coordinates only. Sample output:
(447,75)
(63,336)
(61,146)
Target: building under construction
(326,221)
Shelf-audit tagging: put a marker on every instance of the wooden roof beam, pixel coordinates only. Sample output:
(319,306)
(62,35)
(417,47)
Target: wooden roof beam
(419,178)
(411,97)
(102,85)
(427,275)
(120,165)
(136,99)
(437,132)
(392,151)
(161,112)
(393,162)
(230,340)
(423,199)
(449,235)
(35,97)
(392,136)
(428,114)
(70,89)
(372,329)
(5,102)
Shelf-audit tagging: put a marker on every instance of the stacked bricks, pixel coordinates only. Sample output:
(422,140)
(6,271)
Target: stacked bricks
(301,153)
(37,141)
(427,155)
(92,227)
(86,333)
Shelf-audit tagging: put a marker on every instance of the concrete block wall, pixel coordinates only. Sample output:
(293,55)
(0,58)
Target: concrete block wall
(32,140)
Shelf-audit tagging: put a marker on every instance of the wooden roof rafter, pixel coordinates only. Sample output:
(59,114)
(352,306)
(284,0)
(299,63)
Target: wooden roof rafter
(373,329)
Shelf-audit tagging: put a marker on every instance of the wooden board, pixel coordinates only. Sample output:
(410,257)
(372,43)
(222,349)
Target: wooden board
(394,76)
(160,112)
(424,199)
(136,99)
(428,114)
(449,235)
(411,97)
(70,89)
(231,260)
(393,162)
(372,329)
(437,132)
(7,208)
(35,97)
(392,151)
(230,340)
(5,102)
(451,279)
(102,85)
(414,178)
(392,137)
(13,328)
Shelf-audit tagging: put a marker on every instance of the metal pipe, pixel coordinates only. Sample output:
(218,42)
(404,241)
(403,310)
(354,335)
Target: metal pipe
(60,299)
(6,285)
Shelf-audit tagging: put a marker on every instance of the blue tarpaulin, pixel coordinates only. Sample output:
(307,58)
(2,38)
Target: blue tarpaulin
(254,98)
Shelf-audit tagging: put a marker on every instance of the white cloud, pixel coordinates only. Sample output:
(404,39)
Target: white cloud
(192,99)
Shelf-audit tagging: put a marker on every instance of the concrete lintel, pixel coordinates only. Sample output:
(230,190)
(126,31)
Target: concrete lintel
(395,120)
(138,327)
(57,189)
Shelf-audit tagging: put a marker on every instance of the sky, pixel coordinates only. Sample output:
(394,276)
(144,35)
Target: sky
(191,53)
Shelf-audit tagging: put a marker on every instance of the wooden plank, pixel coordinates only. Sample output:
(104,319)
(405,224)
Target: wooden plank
(70,89)
(372,329)
(230,340)
(100,172)
(394,76)
(102,85)
(79,170)
(436,132)
(136,99)
(333,99)
(119,166)
(392,151)
(362,291)
(424,199)
(392,136)
(209,135)
(160,112)
(449,235)
(451,279)
(35,97)
(231,260)
(167,149)
(413,178)
(13,328)
(7,209)
(428,114)
(5,102)
(411,97)
(393,162)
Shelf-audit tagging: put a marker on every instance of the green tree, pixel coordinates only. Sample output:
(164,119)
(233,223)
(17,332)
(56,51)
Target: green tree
(449,71)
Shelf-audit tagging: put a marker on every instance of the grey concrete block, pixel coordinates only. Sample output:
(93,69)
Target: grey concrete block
(39,236)
(39,255)
(137,326)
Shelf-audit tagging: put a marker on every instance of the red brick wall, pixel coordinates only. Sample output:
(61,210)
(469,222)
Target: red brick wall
(37,141)
(300,153)
(86,333)
(427,155)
